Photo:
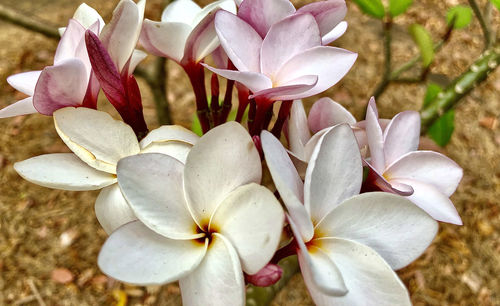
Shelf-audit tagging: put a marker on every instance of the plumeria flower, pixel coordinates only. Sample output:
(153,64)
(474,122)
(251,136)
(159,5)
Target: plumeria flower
(68,82)
(347,244)
(427,178)
(262,14)
(289,63)
(186,32)
(201,224)
(98,142)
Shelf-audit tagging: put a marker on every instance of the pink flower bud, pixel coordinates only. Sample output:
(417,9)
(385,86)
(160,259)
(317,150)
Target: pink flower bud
(267,276)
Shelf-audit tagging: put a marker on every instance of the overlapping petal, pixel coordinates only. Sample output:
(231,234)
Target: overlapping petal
(25,82)
(375,137)
(298,130)
(401,136)
(328,14)
(262,14)
(165,38)
(112,210)
(21,107)
(326,113)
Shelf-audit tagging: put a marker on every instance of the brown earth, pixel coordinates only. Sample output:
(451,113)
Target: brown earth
(48,235)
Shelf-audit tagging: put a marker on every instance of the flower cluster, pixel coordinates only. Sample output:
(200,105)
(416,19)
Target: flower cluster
(178,207)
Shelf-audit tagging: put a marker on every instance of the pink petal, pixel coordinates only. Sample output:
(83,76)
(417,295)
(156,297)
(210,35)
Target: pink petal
(166,39)
(432,201)
(60,86)
(240,41)
(202,40)
(181,11)
(392,187)
(328,63)
(291,91)
(25,82)
(69,42)
(298,131)
(220,58)
(253,80)
(328,14)
(22,107)
(338,31)
(262,14)
(286,39)
(428,167)
(375,137)
(401,136)
(326,113)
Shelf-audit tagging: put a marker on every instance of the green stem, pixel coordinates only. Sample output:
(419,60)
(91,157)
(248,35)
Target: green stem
(484,24)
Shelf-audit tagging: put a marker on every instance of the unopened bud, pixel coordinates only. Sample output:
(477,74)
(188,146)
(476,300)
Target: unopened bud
(267,276)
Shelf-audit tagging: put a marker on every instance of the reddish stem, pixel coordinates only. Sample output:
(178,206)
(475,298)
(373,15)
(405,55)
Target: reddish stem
(243,101)
(214,102)
(286,251)
(228,97)
(283,114)
(263,106)
(196,74)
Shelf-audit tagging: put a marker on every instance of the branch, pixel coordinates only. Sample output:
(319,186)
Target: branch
(387,58)
(14,17)
(450,96)
(484,24)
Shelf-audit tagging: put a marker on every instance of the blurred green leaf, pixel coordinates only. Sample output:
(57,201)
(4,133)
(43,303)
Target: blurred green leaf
(496,3)
(460,15)
(196,126)
(398,7)
(424,43)
(373,8)
(432,92)
(442,129)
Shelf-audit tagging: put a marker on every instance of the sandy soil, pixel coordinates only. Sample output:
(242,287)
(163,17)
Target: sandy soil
(45,231)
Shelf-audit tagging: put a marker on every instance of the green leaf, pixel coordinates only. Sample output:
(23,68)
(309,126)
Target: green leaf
(432,92)
(441,130)
(374,8)
(460,15)
(424,42)
(196,126)
(496,3)
(398,7)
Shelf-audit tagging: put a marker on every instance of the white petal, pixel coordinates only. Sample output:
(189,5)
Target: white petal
(112,210)
(137,57)
(262,14)
(21,107)
(168,133)
(375,137)
(218,280)
(95,137)
(288,183)
(326,113)
(401,136)
(252,219)
(390,224)
(68,45)
(135,254)
(369,279)
(87,16)
(25,82)
(222,160)
(227,5)
(428,167)
(176,149)
(184,11)
(432,201)
(63,171)
(335,33)
(165,38)
(335,172)
(152,185)
(252,80)
(298,131)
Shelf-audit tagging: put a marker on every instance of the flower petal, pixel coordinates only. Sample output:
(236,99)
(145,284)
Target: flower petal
(71,39)
(335,172)
(432,201)
(326,113)
(227,5)
(391,225)
(167,133)
(240,41)
(318,61)
(184,11)
(392,187)
(288,183)
(87,16)
(222,160)
(112,210)
(262,14)
(60,86)
(367,277)
(135,254)
(298,131)
(254,81)
(152,185)
(285,39)
(137,57)
(21,107)
(401,136)
(251,218)
(375,137)
(95,137)
(218,280)
(428,167)
(62,171)
(202,40)
(291,91)
(25,82)
(328,14)
(165,38)
(334,34)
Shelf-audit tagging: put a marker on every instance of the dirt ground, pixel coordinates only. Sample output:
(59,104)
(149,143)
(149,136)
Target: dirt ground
(49,239)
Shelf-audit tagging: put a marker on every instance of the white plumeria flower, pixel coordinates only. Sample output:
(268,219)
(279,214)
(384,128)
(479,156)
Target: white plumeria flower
(427,178)
(66,82)
(99,142)
(186,32)
(201,224)
(348,244)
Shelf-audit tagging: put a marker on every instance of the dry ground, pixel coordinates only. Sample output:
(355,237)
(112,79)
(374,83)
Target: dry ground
(42,230)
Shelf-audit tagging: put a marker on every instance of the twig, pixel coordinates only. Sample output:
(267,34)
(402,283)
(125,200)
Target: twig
(36,293)
(484,24)
(387,58)
(14,17)
(450,96)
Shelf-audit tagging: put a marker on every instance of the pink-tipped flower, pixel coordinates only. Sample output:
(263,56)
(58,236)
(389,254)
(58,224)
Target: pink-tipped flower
(266,276)
(289,63)
(427,178)
(69,82)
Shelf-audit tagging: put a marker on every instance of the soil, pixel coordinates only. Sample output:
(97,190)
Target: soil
(49,239)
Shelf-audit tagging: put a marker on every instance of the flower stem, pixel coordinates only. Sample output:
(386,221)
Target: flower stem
(196,74)
(283,114)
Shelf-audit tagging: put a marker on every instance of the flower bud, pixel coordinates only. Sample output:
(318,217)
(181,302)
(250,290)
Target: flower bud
(267,276)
